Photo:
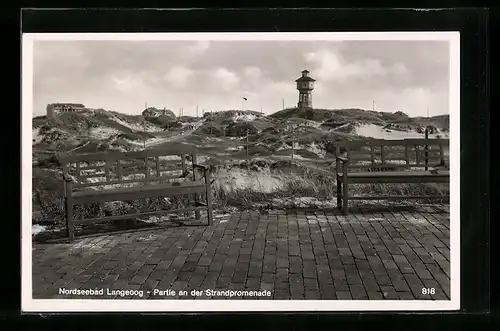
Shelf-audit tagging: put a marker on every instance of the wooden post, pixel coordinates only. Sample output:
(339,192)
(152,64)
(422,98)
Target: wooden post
(372,155)
(184,166)
(69,209)
(407,156)
(345,188)
(143,134)
(157,164)
(196,197)
(119,169)
(247,144)
(146,170)
(426,148)
(106,170)
(77,171)
(209,196)
(441,152)
(382,156)
(339,183)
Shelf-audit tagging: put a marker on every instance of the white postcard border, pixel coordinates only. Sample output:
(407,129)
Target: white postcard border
(180,305)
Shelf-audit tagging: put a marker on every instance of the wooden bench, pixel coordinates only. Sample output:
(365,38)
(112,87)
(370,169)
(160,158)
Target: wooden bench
(378,161)
(117,176)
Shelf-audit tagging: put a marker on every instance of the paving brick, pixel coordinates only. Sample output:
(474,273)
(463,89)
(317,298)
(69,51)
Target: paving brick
(445,266)
(311,284)
(403,264)
(255,269)
(352,275)
(399,282)
(340,284)
(281,285)
(309,269)
(405,296)
(389,293)
(358,292)
(296,283)
(416,286)
(347,260)
(138,279)
(327,292)
(422,271)
(252,284)
(375,295)
(434,286)
(343,295)
(312,294)
(440,277)
(295,264)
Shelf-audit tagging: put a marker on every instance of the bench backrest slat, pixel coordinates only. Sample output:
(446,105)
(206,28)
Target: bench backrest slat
(406,153)
(125,167)
(120,155)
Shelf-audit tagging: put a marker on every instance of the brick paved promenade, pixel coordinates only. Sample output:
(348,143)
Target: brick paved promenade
(298,255)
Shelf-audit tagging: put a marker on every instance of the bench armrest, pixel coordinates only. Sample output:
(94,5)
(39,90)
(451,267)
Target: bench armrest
(200,166)
(67,178)
(341,164)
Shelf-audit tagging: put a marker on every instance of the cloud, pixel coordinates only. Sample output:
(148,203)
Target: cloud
(252,73)
(179,76)
(132,83)
(332,66)
(199,48)
(225,79)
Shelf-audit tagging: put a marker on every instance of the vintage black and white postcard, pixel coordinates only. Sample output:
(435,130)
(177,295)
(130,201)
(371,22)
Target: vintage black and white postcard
(241,172)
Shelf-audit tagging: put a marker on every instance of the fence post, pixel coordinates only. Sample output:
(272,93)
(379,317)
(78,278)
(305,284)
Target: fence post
(426,147)
(247,143)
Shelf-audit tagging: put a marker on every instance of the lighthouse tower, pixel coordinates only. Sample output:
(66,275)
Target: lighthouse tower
(305,85)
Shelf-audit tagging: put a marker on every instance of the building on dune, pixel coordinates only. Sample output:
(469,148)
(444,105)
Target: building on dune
(54,109)
(155,112)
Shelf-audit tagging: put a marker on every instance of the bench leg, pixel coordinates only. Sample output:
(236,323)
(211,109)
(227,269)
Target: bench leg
(339,194)
(69,218)
(345,197)
(196,212)
(209,199)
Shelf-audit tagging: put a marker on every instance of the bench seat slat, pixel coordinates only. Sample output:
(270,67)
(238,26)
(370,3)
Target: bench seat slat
(395,142)
(132,216)
(399,174)
(127,181)
(132,193)
(395,167)
(396,197)
(442,176)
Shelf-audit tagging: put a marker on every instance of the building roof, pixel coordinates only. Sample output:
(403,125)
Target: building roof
(305,79)
(68,104)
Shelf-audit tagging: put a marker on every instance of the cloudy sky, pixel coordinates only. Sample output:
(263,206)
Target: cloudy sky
(410,76)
